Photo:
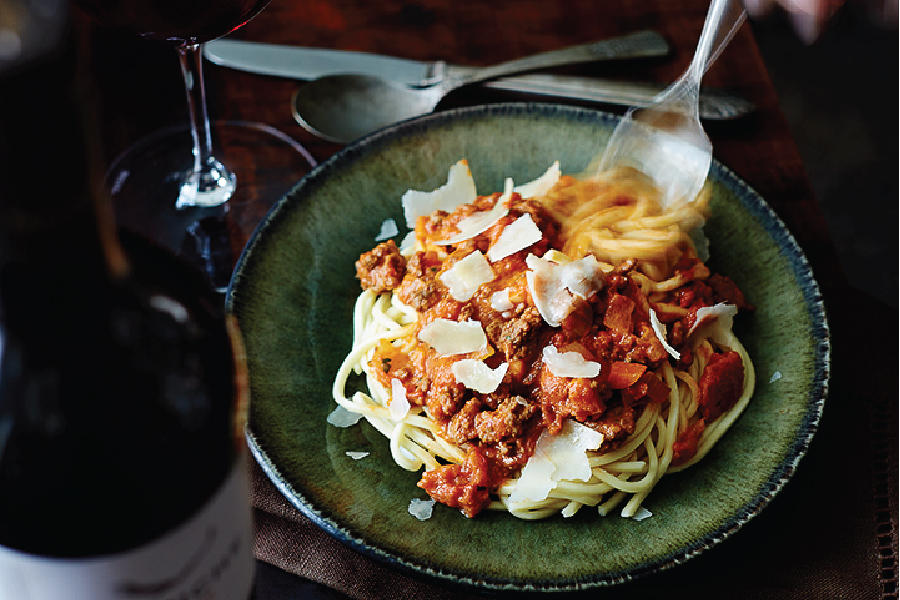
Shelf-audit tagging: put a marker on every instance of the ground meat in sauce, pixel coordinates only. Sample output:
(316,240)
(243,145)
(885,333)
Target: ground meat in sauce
(646,347)
(499,430)
(725,290)
(444,402)
(381,269)
(564,397)
(618,314)
(515,338)
(713,290)
(616,424)
(461,427)
(421,294)
(466,487)
(419,288)
(506,421)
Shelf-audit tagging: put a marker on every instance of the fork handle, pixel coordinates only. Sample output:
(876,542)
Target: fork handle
(641,44)
(723,20)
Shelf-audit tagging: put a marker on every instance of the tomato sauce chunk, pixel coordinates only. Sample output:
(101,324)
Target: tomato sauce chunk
(685,447)
(721,384)
(466,487)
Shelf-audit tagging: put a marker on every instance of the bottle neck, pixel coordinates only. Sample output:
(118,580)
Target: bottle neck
(56,228)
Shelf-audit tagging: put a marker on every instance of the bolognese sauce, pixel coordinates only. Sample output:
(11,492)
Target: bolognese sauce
(612,326)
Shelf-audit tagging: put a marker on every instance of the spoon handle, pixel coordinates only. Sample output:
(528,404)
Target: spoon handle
(636,45)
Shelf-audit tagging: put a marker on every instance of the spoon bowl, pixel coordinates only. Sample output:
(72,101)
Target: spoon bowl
(342,108)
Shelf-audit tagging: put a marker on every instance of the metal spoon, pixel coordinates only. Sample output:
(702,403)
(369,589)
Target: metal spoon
(343,108)
(666,140)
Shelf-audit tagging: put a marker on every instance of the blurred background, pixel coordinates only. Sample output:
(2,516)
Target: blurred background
(840,96)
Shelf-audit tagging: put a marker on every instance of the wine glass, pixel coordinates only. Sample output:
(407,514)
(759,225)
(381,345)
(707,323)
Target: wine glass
(198,190)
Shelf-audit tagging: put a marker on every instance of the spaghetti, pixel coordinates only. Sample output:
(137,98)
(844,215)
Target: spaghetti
(554,346)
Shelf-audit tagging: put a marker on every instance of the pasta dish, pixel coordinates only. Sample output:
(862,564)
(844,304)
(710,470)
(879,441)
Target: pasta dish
(557,344)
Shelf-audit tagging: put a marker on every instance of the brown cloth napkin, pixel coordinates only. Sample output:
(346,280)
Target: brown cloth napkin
(289,540)
(830,533)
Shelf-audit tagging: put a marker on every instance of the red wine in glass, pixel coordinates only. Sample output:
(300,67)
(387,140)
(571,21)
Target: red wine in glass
(180,22)
(197,190)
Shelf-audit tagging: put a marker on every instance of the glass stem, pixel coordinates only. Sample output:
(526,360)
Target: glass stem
(209,183)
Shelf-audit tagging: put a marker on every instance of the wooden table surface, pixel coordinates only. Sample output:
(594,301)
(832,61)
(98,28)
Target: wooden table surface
(790,550)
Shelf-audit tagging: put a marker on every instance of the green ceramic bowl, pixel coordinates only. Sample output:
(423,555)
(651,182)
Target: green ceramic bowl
(293,293)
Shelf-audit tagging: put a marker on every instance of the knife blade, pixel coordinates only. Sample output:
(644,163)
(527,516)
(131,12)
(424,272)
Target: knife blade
(304,63)
(297,62)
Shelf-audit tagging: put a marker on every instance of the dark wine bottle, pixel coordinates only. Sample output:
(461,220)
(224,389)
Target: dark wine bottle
(123,470)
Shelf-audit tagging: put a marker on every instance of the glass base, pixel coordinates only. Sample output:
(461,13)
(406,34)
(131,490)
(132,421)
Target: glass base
(146,180)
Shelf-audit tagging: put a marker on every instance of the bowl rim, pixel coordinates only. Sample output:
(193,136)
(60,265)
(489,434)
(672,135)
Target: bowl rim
(747,196)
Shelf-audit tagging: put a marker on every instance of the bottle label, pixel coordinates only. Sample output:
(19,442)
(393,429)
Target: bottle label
(208,558)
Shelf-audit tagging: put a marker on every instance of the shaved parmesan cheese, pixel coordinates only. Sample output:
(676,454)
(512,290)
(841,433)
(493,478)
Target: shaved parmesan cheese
(580,276)
(452,337)
(388,230)
(421,509)
(642,514)
(721,312)
(542,184)
(660,330)
(408,242)
(459,189)
(482,220)
(476,375)
(555,458)
(569,364)
(536,479)
(518,235)
(341,417)
(508,188)
(551,299)
(500,300)
(556,256)
(398,407)
(548,284)
(466,276)
(357,455)
(568,450)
